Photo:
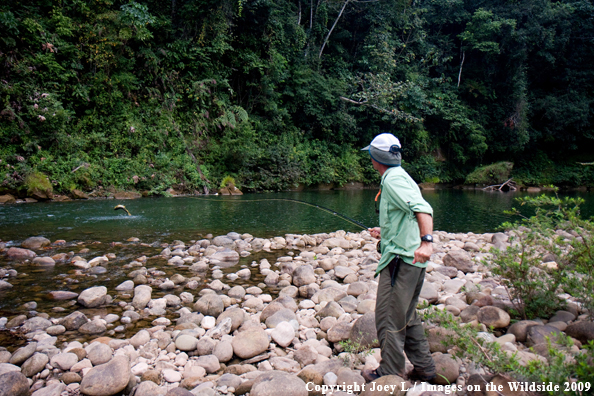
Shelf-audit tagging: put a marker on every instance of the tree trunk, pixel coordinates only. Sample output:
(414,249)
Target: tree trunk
(461,64)
(333,26)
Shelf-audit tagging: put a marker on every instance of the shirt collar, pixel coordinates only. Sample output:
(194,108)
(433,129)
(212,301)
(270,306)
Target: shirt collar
(386,172)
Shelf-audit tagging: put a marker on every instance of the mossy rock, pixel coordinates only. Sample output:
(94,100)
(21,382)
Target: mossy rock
(38,186)
(496,173)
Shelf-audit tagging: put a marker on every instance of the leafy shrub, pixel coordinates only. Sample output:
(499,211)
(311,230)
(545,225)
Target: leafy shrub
(533,289)
(495,173)
(555,229)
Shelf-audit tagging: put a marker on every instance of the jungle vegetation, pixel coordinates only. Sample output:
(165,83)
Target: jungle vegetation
(149,95)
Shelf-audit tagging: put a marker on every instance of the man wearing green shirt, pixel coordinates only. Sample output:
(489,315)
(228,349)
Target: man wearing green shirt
(406,227)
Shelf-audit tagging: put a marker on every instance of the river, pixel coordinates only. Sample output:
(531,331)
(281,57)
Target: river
(263,215)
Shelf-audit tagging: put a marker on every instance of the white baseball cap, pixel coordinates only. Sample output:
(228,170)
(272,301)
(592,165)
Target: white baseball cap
(385,149)
(385,142)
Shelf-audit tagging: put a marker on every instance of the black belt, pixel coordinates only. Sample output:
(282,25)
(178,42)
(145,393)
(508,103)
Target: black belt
(394,266)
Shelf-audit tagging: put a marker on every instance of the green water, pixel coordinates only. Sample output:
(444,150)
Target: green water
(262,215)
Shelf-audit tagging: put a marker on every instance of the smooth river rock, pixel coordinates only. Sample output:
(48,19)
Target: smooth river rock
(14,383)
(142,296)
(93,297)
(271,383)
(250,343)
(459,259)
(107,379)
(20,254)
(35,242)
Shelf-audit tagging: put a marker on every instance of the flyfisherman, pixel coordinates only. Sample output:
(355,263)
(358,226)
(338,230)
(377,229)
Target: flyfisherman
(406,227)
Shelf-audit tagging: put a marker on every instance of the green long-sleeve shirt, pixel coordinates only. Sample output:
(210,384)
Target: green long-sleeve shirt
(400,199)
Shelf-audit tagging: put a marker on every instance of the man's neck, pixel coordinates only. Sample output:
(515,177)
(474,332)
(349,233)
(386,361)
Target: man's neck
(382,169)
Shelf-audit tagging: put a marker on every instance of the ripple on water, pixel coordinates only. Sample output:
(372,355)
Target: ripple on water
(112,218)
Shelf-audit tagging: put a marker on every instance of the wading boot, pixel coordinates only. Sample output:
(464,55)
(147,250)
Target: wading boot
(369,375)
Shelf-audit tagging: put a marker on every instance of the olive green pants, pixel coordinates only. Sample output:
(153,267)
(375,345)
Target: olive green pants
(399,327)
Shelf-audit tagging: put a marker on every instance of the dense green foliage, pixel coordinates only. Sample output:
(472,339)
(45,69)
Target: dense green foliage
(151,95)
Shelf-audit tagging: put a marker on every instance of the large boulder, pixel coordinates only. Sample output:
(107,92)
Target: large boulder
(127,195)
(64,361)
(107,379)
(583,331)
(96,326)
(493,317)
(270,383)
(459,259)
(44,261)
(562,316)
(59,295)
(223,240)
(14,383)
(250,343)
(364,331)
(93,297)
(186,342)
(539,334)
(35,243)
(446,368)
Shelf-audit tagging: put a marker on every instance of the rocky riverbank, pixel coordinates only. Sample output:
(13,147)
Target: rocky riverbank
(191,321)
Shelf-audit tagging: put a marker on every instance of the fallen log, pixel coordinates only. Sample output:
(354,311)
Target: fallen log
(510,184)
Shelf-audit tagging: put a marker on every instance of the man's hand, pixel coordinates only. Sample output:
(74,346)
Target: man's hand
(375,232)
(423,253)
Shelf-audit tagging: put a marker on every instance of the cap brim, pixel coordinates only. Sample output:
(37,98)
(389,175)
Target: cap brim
(366,148)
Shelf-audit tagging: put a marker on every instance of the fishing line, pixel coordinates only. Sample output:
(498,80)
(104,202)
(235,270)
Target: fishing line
(322,208)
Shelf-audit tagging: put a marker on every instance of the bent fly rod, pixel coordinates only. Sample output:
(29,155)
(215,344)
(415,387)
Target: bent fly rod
(320,207)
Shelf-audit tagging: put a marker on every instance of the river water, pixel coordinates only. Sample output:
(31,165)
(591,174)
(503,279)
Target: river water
(262,215)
